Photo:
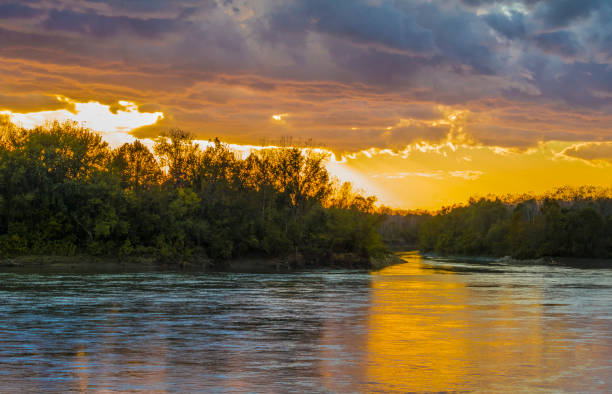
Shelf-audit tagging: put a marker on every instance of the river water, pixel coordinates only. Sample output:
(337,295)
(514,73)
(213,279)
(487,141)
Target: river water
(426,325)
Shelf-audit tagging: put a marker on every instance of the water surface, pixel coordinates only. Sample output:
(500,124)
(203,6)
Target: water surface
(426,325)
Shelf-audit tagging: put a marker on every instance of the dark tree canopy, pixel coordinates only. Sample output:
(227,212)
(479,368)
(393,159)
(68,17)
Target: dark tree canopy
(567,222)
(64,191)
(136,166)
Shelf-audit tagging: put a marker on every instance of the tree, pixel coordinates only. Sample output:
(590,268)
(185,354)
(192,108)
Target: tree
(136,166)
(179,155)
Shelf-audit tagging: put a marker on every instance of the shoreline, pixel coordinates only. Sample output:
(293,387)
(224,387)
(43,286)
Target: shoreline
(576,262)
(86,263)
(252,264)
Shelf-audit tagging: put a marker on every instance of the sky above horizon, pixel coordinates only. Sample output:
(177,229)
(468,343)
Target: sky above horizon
(423,103)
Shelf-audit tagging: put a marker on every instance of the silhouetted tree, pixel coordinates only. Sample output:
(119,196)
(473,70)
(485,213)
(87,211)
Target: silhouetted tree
(136,166)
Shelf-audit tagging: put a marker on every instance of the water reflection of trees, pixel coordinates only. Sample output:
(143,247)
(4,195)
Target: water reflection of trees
(239,333)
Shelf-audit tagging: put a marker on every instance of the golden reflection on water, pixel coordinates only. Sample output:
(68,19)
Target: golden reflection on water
(412,329)
(420,326)
(429,331)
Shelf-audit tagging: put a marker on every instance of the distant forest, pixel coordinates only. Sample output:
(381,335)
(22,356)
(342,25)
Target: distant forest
(63,191)
(568,222)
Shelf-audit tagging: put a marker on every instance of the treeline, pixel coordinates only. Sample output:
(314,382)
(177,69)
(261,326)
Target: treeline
(568,222)
(64,191)
(400,228)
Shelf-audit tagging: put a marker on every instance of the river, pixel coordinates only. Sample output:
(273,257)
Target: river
(426,325)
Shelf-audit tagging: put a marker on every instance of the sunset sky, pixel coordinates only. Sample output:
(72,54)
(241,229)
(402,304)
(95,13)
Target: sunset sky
(422,102)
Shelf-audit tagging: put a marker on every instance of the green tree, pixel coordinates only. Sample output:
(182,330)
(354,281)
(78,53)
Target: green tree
(136,166)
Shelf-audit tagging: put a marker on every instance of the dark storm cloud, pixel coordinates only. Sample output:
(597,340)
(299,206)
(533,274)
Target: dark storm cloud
(230,64)
(460,38)
(17,10)
(562,13)
(102,26)
(406,30)
(155,5)
(510,26)
(359,22)
(562,42)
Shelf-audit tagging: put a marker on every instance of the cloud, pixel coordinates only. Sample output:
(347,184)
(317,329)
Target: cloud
(510,26)
(561,42)
(437,175)
(526,71)
(561,13)
(34,103)
(468,175)
(16,10)
(361,23)
(100,26)
(591,151)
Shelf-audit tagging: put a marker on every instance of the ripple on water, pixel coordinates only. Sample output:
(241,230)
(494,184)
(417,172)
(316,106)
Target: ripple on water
(424,325)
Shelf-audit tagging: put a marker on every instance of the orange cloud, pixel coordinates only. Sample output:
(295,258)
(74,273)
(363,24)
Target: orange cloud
(591,151)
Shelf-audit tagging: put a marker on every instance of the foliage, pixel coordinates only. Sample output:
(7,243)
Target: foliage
(567,222)
(64,191)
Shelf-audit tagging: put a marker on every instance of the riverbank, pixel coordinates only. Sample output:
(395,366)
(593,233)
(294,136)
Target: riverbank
(80,263)
(575,262)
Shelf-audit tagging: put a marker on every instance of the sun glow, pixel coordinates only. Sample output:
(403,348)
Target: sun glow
(429,175)
(114,122)
(279,117)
